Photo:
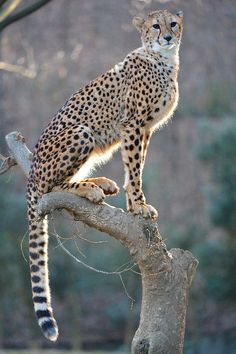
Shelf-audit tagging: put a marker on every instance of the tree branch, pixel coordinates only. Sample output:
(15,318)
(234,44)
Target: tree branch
(22,13)
(21,155)
(166,275)
(13,4)
(17,69)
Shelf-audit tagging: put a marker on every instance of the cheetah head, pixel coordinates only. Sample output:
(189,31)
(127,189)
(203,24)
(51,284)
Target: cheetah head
(161,31)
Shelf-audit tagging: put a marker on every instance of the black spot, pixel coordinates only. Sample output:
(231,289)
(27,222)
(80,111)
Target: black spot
(40,299)
(41,263)
(47,325)
(34,255)
(43,313)
(86,149)
(34,268)
(35,279)
(33,244)
(37,289)
(33,237)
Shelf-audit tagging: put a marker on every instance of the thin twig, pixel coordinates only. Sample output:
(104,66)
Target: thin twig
(126,291)
(22,248)
(88,266)
(86,239)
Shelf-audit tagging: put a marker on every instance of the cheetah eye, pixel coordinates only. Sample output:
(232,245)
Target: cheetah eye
(156,26)
(173,24)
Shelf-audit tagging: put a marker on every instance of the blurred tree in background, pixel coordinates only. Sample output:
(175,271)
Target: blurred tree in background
(213,301)
(219,153)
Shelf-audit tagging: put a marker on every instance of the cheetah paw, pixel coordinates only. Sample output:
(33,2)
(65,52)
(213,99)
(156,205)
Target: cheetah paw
(86,190)
(95,195)
(108,186)
(146,210)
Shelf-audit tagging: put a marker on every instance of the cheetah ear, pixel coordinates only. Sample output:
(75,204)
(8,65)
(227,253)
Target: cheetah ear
(138,23)
(180,14)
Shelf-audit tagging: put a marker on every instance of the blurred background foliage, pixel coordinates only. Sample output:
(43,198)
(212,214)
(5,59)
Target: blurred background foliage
(190,174)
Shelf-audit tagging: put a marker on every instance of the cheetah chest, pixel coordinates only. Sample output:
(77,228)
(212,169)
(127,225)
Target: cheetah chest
(164,102)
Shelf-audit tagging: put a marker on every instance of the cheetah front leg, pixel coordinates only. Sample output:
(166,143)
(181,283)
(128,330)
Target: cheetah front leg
(146,141)
(133,150)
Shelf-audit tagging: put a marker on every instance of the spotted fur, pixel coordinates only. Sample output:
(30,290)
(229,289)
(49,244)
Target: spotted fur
(120,108)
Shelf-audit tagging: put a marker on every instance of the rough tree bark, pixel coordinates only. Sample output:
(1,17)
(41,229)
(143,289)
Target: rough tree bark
(166,275)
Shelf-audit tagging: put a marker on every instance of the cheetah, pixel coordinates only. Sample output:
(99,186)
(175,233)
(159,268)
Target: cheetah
(121,108)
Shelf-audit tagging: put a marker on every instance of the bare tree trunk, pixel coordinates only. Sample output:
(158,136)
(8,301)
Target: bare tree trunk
(166,275)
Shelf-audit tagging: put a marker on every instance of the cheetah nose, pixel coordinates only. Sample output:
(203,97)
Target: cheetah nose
(168,38)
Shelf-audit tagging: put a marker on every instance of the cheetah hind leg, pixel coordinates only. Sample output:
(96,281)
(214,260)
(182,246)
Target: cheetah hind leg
(108,186)
(85,189)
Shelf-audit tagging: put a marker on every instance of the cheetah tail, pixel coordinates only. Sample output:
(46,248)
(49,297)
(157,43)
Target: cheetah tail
(38,255)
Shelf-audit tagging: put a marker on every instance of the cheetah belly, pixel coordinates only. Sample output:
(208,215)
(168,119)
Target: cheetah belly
(106,144)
